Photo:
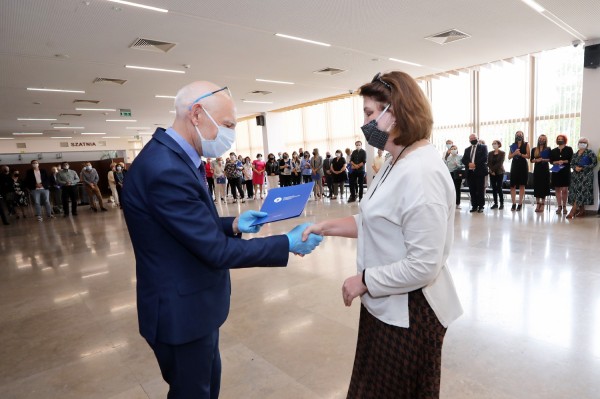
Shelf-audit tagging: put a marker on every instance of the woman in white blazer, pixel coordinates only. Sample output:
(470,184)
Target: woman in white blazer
(404,231)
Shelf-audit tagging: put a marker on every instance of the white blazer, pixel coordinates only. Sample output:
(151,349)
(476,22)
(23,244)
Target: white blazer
(405,232)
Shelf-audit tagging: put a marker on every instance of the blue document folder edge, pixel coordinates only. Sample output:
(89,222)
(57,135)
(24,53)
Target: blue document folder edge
(285,203)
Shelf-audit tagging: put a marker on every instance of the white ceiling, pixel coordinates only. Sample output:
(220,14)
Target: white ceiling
(232,43)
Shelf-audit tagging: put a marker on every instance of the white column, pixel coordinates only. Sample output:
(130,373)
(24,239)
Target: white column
(590,119)
(273,139)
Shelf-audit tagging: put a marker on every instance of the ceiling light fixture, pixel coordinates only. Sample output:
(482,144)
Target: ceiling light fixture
(129,3)
(153,69)
(94,134)
(61,137)
(274,81)
(69,127)
(96,109)
(55,90)
(36,119)
(27,134)
(302,40)
(121,120)
(405,62)
(7,138)
(111,137)
(536,6)
(257,102)
(161,96)
(137,128)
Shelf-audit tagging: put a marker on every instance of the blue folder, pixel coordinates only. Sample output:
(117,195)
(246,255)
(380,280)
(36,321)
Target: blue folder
(285,203)
(556,168)
(585,161)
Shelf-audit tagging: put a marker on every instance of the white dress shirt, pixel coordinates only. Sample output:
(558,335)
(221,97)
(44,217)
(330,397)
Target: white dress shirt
(405,232)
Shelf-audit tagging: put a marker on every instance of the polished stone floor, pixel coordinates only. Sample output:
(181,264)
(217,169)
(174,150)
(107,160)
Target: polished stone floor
(529,283)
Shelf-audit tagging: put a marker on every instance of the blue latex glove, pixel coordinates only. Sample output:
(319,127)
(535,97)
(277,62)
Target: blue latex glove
(247,218)
(300,247)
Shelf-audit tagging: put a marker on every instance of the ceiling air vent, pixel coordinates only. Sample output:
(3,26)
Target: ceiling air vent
(70,115)
(262,92)
(86,101)
(329,71)
(151,45)
(109,80)
(21,145)
(449,36)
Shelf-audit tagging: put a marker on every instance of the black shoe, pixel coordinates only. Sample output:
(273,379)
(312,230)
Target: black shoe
(495,206)
(104,209)
(513,207)
(519,207)
(480,210)
(473,210)
(351,199)
(74,213)
(501,207)
(94,209)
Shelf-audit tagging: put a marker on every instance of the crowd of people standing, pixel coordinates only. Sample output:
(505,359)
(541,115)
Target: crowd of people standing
(568,172)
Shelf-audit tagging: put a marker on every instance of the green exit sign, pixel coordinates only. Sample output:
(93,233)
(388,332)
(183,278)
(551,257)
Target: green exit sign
(125,112)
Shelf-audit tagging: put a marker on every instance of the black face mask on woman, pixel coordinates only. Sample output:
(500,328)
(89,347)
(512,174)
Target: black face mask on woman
(375,136)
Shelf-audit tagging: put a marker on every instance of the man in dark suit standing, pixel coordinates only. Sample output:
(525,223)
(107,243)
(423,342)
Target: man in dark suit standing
(475,161)
(183,249)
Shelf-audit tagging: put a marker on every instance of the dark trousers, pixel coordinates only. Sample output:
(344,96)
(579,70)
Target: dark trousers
(69,193)
(249,188)
(285,180)
(476,189)
(329,183)
(306,178)
(192,370)
(496,183)
(296,179)
(357,179)
(457,186)
(236,185)
(119,193)
(2,214)
(211,185)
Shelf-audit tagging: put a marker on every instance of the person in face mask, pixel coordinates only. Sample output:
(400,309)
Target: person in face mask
(457,170)
(338,173)
(405,223)
(448,149)
(272,171)
(358,159)
(285,170)
(328,174)
(184,249)
(581,190)
(540,158)
(496,159)
(89,177)
(18,196)
(519,152)
(68,179)
(475,159)
(560,158)
(258,175)
(38,184)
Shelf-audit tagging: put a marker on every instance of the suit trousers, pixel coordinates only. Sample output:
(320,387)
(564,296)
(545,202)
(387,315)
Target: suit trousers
(476,189)
(357,179)
(94,191)
(192,370)
(496,183)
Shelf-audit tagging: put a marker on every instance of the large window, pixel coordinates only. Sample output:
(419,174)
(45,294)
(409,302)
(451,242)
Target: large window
(504,101)
(559,79)
(451,107)
(248,139)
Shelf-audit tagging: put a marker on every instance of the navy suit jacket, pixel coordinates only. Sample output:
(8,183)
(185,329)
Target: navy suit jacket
(481,158)
(30,181)
(183,249)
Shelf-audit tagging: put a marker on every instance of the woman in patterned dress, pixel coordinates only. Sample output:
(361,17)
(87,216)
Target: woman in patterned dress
(581,190)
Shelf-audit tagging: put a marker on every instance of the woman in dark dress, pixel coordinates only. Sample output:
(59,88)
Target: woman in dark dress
(540,157)
(338,170)
(560,158)
(519,153)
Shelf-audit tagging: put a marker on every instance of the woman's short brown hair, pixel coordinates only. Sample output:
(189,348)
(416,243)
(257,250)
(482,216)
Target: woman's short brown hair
(409,105)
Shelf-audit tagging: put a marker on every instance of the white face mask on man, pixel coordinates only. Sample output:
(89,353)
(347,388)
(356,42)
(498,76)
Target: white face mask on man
(220,144)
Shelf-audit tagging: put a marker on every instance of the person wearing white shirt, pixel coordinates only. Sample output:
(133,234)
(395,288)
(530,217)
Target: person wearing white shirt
(112,183)
(378,162)
(404,232)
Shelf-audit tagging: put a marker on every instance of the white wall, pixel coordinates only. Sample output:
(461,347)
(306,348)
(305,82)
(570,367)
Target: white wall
(273,130)
(590,118)
(49,148)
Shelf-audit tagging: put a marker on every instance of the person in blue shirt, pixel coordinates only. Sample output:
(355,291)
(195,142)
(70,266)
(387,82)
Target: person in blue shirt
(184,249)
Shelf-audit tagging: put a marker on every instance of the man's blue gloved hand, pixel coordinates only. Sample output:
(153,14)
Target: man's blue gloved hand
(247,218)
(299,247)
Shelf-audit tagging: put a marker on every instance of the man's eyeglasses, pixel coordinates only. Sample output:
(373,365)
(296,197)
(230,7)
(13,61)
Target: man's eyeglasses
(377,78)
(210,94)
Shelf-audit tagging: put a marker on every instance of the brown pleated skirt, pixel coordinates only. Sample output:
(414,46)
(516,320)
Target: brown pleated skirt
(399,363)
